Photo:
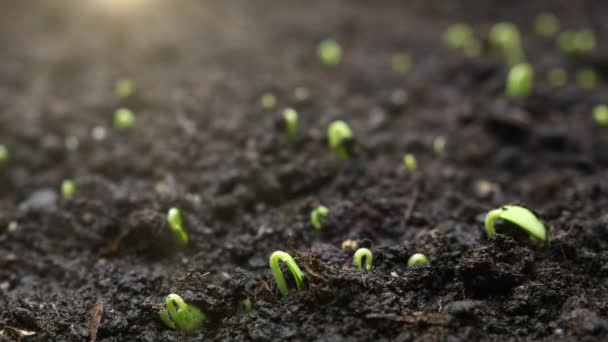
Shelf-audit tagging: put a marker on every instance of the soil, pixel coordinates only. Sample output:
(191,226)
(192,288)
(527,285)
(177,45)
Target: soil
(99,264)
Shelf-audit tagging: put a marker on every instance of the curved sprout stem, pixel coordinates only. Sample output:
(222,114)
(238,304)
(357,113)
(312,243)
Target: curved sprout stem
(297,274)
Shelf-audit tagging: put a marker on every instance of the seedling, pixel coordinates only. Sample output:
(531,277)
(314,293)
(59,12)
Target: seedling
(316,214)
(268,101)
(399,97)
(401,63)
(337,133)
(174,218)
(410,163)
(358,259)
(439,145)
(457,35)
(505,38)
(600,115)
(417,258)
(186,317)
(297,274)
(329,52)
(565,41)
(124,118)
(520,80)
(245,306)
(124,88)
(557,77)
(301,94)
(290,116)
(546,25)
(586,77)
(584,41)
(3,154)
(519,216)
(67,188)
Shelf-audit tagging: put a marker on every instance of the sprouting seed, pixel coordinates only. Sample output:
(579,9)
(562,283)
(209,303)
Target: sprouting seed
(600,115)
(505,38)
(337,133)
(3,154)
(329,52)
(296,272)
(67,188)
(565,41)
(401,63)
(417,258)
(349,244)
(358,259)
(245,306)
(290,116)
(546,25)
(399,97)
(316,214)
(268,101)
(439,145)
(177,314)
(174,218)
(410,163)
(457,35)
(124,88)
(520,80)
(301,94)
(124,118)
(557,77)
(519,216)
(586,77)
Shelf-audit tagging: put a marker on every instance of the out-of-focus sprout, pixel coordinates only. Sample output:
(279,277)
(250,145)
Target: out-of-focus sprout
(174,218)
(410,163)
(124,118)
(520,80)
(67,188)
(401,63)
(546,25)
(245,306)
(399,97)
(3,154)
(439,145)
(290,117)
(349,244)
(600,115)
(557,77)
(268,101)
(316,215)
(124,88)
(586,77)
(457,35)
(584,41)
(337,133)
(329,52)
(565,41)
(505,38)
(301,94)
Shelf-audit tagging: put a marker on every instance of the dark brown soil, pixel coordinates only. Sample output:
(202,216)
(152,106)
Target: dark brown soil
(203,143)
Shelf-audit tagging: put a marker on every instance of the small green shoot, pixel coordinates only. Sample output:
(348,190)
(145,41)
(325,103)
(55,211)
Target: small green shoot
(600,115)
(358,259)
(399,97)
(584,41)
(3,154)
(410,163)
(546,25)
(337,133)
(124,88)
(268,101)
(557,77)
(586,77)
(565,41)
(290,116)
(296,272)
(186,317)
(329,52)
(520,80)
(245,306)
(174,218)
(401,63)
(316,214)
(124,118)
(439,145)
(417,258)
(457,35)
(67,188)
(505,38)
(301,94)
(520,217)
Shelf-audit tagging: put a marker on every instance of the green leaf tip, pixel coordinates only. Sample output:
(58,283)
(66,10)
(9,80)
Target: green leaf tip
(174,218)
(600,115)
(417,258)
(520,80)
(409,162)
(177,314)
(290,116)
(337,132)
(316,214)
(296,272)
(519,216)
(124,88)
(358,259)
(329,52)
(124,118)
(67,188)
(505,38)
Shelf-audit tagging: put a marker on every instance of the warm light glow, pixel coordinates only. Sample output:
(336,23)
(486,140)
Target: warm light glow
(120,5)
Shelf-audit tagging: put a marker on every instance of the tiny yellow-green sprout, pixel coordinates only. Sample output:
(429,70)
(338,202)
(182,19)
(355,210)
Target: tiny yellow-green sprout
(401,63)
(337,133)
(316,214)
(519,216)
(245,306)
(179,315)
(296,272)
(586,77)
(584,41)
(67,188)
(417,258)
(565,41)
(505,38)
(557,77)
(268,101)
(600,115)
(399,97)
(301,94)
(457,35)
(410,163)
(174,218)
(358,259)
(290,116)
(124,88)
(329,52)
(520,80)
(124,118)
(3,154)
(546,25)
(439,145)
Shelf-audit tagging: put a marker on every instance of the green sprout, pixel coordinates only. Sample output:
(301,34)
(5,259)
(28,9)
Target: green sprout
(297,274)
(600,115)
(3,154)
(316,214)
(245,306)
(505,38)
(186,317)
(290,116)
(410,163)
(546,25)
(521,217)
(457,35)
(301,94)
(124,88)
(557,77)
(586,77)
(174,218)
(565,41)
(124,118)
(584,41)
(337,133)
(67,188)
(399,97)
(401,63)
(520,80)
(439,145)
(329,52)
(268,101)
(358,259)
(417,258)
